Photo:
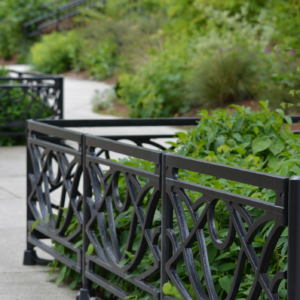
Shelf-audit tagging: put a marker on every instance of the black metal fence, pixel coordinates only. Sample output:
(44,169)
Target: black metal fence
(56,16)
(28,95)
(75,174)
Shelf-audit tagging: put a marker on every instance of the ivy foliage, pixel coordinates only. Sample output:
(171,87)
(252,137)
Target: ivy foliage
(259,141)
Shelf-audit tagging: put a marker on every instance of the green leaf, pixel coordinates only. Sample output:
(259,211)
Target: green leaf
(288,120)
(78,244)
(60,249)
(90,249)
(225,283)
(220,140)
(73,284)
(237,107)
(35,224)
(183,136)
(61,275)
(167,288)
(157,216)
(238,124)
(260,144)
(274,162)
(123,262)
(280,111)
(238,137)
(223,148)
(296,170)
(276,146)
(130,255)
(212,253)
(226,267)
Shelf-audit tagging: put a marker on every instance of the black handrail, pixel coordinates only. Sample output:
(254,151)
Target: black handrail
(66,11)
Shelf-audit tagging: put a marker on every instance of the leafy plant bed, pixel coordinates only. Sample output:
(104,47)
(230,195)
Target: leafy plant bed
(27,96)
(215,219)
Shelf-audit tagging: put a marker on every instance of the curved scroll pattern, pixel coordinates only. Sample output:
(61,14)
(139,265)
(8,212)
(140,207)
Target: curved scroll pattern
(115,192)
(54,195)
(33,97)
(202,226)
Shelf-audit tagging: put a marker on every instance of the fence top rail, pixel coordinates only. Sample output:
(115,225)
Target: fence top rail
(123,122)
(122,148)
(33,74)
(26,86)
(263,180)
(54,131)
(133,122)
(30,78)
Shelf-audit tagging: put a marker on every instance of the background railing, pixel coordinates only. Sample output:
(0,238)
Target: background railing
(76,175)
(56,16)
(28,95)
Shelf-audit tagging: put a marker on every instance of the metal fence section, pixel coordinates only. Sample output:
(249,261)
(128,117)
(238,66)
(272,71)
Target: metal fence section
(102,194)
(54,171)
(83,168)
(28,95)
(241,224)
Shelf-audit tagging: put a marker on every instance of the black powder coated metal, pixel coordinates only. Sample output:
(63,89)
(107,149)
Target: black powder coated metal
(47,90)
(43,180)
(89,179)
(176,197)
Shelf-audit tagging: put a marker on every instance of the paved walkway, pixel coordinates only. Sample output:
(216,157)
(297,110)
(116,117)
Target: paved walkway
(18,282)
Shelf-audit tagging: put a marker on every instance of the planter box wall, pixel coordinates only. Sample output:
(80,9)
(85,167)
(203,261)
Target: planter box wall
(88,182)
(46,90)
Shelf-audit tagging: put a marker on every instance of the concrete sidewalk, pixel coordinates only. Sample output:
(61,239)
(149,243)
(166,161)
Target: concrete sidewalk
(18,282)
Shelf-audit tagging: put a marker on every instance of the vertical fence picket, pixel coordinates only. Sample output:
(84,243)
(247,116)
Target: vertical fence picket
(60,103)
(86,291)
(29,252)
(167,222)
(294,239)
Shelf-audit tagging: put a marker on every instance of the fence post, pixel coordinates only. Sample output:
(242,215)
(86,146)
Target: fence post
(60,103)
(86,291)
(29,253)
(30,258)
(294,239)
(167,222)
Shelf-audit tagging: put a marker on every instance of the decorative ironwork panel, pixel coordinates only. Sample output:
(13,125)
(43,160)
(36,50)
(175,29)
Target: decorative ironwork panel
(121,192)
(54,197)
(194,224)
(28,96)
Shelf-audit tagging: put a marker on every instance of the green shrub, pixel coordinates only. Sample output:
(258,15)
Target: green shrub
(129,27)
(13,14)
(157,89)
(280,77)
(227,77)
(55,52)
(101,61)
(284,16)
